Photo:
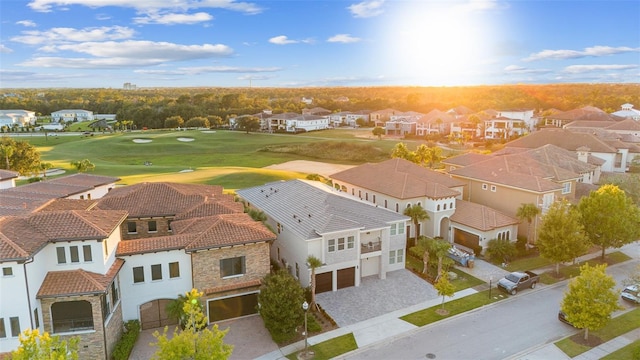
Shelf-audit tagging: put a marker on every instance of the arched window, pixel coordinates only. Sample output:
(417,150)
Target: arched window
(438,207)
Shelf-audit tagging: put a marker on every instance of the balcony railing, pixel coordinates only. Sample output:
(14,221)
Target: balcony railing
(370,247)
(80,324)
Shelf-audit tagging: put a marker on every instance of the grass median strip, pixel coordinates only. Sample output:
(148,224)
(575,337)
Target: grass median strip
(617,326)
(331,348)
(455,307)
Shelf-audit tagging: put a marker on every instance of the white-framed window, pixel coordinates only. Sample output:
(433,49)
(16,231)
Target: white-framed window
(394,229)
(153,226)
(392,257)
(351,242)
(86,253)
(566,188)
(401,228)
(485,186)
(232,267)
(132,227)
(75,255)
(7,271)
(156,272)
(332,245)
(174,270)
(61,254)
(399,256)
(340,244)
(138,274)
(493,188)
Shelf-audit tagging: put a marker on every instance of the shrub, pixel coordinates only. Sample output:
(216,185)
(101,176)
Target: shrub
(127,341)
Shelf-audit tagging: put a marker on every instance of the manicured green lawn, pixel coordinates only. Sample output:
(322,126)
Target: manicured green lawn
(455,307)
(570,271)
(616,327)
(331,348)
(629,352)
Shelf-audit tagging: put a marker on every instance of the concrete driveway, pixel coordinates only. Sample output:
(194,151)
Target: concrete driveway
(247,334)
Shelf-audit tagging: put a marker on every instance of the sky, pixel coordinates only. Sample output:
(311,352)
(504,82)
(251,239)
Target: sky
(316,43)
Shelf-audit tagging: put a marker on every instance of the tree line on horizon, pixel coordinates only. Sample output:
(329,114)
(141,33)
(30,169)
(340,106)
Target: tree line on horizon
(151,107)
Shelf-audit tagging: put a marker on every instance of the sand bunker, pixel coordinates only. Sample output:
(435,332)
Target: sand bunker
(186,170)
(142,141)
(185,139)
(208,131)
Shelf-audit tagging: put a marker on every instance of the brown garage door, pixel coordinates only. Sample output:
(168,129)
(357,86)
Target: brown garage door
(465,238)
(153,314)
(233,307)
(346,277)
(324,282)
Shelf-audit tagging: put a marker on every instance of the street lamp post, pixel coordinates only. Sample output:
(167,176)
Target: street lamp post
(490,280)
(305,307)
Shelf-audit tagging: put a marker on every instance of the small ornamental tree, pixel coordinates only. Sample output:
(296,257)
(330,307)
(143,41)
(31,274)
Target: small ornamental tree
(562,236)
(378,131)
(610,218)
(83,165)
(34,346)
(444,287)
(196,341)
(280,305)
(591,299)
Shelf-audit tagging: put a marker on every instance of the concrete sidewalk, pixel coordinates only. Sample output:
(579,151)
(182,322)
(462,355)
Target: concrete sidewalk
(390,326)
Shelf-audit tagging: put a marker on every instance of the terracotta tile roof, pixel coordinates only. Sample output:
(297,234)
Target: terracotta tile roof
(563,138)
(202,233)
(8,174)
(159,199)
(29,197)
(466,159)
(435,114)
(516,171)
(68,204)
(480,217)
(555,156)
(241,285)
(586,113)
(32,232)
(400,179)
(77,282)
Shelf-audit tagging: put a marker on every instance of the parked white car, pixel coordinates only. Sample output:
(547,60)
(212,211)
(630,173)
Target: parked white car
(631,293)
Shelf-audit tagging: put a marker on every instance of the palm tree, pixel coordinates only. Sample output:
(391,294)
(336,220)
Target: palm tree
(528,212)
(417,214)
(313,263)
(7,150)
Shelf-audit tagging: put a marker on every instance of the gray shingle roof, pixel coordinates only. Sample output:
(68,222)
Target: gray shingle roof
(310,209)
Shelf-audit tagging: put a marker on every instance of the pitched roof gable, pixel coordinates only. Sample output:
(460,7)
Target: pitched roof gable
(562,138)
(77,282)
(480,217)
(309,209)
(400,179)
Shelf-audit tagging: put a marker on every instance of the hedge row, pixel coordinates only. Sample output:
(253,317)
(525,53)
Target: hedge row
(127,341)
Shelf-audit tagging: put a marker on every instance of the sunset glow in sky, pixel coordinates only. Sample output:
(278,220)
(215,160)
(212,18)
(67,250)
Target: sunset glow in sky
(302,43)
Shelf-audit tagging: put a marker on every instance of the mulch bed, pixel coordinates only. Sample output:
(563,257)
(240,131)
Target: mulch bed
(592,341)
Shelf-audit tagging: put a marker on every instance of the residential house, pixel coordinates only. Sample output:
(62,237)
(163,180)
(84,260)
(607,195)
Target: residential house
(588,113)
(505,182)
(380,117)
(396,184)
(526,115)
(401,124)
(320,111)
(20,118)
(353,117)
(292,122)
(8,179)
(615,154)
(352,238)
(503,128)
(80,267)
(627,111)
(405,183)
(72,115)
(435,122)
(338,119)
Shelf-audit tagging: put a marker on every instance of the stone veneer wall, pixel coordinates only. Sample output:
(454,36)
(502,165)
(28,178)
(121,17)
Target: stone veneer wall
(91,345)
(114,329)
(206,265)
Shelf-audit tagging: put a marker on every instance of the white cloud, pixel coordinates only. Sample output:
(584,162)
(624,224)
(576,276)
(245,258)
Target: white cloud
(24,76)
(343,38)
(523,70)
(145,6)
(282,40)
(172,18)
(367,9)
(4,49)
(112,54)
(66,35)
(208,69)
(577,69)
(27,23)
(103,17)
(476,5)
(594,51)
